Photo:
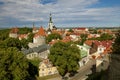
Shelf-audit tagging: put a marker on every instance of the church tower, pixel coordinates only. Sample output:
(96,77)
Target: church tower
(50,24)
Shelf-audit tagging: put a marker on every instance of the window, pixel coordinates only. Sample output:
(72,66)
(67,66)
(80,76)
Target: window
(32,55)
(29,55)
(50,73)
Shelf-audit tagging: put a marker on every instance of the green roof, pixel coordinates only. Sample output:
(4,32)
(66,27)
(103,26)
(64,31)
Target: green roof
(87,47)
(83,53)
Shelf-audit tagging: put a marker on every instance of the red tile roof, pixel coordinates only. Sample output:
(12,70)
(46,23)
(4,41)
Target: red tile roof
(89,42)
(14,30)
(66,39)
(80,28)
(106,44)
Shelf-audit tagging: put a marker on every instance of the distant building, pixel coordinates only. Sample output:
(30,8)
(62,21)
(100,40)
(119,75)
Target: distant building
(93,35)
(14,32)
(46,68)
(75,37)
(23,36)
(81,30)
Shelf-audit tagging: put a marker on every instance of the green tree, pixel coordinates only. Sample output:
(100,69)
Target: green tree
(30,37)
(52,36)
(13,42)
(83,38)
(103,37)
(94,31)
(25,30)
(65,56)
(24,43)
(70,30)
(106,36)
(13,65)
(4,34)
(33,67)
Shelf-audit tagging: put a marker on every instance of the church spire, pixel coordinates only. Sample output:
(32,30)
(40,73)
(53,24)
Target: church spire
(50,21)
(51,26)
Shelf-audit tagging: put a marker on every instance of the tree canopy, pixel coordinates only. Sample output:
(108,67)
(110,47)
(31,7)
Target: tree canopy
(52,36)
(13,65)
(103,37)
(83,38)
(70,30)
(24,30)
(6,41)
(13,42)
(65,56)
(4,34)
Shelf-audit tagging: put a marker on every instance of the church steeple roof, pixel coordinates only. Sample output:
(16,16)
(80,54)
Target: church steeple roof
(50,21)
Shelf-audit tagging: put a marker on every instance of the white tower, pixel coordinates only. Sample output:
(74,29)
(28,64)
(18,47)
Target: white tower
(50,24)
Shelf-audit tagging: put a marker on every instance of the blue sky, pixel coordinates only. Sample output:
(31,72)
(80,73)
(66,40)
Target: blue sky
(65,13)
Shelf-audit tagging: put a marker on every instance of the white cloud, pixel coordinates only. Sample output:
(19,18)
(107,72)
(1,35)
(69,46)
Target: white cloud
(63,10)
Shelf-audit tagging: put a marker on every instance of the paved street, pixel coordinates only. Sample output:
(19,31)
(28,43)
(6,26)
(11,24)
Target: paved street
(83,71)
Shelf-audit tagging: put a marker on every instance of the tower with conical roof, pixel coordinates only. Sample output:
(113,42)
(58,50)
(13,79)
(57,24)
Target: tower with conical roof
(50,24)
(39,37)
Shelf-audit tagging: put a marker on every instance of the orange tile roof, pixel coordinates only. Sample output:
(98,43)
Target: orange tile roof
(67,39)
(59,32)
(41,32)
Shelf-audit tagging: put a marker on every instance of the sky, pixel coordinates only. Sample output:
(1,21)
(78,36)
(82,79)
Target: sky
(65,13)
